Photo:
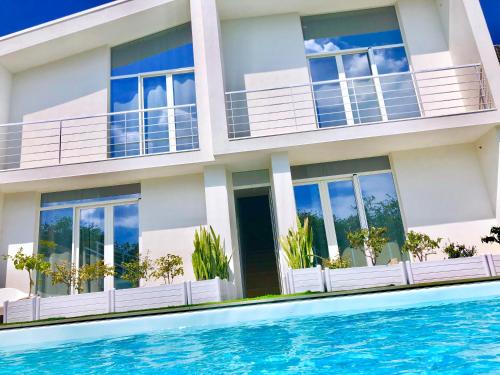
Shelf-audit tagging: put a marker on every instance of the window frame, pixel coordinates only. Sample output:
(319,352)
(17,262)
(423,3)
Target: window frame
(168,74)
(108,206)
(325,201)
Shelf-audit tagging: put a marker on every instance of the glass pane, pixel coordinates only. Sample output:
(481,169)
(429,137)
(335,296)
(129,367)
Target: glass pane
(155,121)
(362,93)
(308,205)
(124,127)
(55,241)
(166,50)
(328,96)
(345,42)
(399,92)
(92,243)
(346,219)
(382,210)
(186,127)
(126,239)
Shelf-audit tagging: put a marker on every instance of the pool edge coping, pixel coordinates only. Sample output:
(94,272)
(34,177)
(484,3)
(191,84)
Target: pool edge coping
(233,304)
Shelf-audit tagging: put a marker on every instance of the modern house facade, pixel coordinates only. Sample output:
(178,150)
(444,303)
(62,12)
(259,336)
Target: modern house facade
(128,126)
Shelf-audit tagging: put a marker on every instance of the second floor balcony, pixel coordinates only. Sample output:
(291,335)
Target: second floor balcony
(326,104)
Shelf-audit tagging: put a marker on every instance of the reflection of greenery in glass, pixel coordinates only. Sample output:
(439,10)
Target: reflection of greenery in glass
(92,243)
(126,240)
(55,243)
(382,210)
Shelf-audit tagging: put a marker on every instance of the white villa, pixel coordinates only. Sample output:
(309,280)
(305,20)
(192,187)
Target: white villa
(128,126)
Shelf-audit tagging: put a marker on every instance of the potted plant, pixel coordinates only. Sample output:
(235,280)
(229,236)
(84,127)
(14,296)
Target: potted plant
(298,246)
(73,277)
(209,257)
(454,250)
(373,240)
(420,245)
(30,264)
(168,267)
(141,267)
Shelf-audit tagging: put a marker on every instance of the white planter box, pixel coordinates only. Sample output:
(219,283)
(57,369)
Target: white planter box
(74,305)
(365,277)
(448,269)
(494,263)
(23,310)
(205,291)
(149,297)
(305,280)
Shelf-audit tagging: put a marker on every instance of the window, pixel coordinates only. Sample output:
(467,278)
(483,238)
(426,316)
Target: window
(358,68)
(153,95)
(86,226)
(355,202)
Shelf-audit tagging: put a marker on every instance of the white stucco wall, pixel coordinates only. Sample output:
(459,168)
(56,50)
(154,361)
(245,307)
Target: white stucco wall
(488,153)
(170,211)
(19,227)
(444,194)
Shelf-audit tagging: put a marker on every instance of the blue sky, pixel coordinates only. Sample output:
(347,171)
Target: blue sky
(16,15)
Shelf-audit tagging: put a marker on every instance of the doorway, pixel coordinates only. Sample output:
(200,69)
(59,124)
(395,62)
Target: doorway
(257,244)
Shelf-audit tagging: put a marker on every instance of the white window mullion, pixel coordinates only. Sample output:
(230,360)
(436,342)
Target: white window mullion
(361,212)
(142,118)
(345,90)
(108,245)
(172,140)
(76,243)
(378,86)
(331,236)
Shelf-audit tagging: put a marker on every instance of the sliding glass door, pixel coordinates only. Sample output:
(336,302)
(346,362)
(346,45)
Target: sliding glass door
(337,207)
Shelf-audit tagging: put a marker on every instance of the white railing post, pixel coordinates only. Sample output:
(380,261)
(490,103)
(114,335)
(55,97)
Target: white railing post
(409,272)
(491,263)
(487,270)
(189,293)
(328,280)
(404,273)
(184,293)
(320,278)
(111,300)
(37,308)
(292,284)
(219,288)
(5,311)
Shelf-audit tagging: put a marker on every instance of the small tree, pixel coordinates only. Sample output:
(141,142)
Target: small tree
(373,240)
(298,246)
(30,264)
(335,263)
(168,267)
(493,237)
(69,275)
(141,267)
(459,251)
(420,245)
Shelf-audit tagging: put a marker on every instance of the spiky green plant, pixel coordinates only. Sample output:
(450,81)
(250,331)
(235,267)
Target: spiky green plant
(298,246)
(209,257)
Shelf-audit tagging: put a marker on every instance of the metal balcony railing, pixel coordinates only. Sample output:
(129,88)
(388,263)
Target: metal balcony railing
(100,137)
(361,100)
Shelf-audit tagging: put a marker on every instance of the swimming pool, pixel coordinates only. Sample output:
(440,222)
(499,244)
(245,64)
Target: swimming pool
(452,330)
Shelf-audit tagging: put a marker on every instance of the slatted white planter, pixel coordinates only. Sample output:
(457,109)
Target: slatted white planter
(494,263)
(306,280)
(215,290)
(74,305)
(19,311)
(448,269)
(365,277)
(149,297)
(205,291)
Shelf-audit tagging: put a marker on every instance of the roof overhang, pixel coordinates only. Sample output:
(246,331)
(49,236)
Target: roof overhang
(108,25)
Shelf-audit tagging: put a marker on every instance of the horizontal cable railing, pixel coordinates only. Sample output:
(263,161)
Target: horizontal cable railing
(99,137)
(360,100)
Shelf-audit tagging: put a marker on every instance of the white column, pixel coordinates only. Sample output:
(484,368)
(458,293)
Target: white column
(285,212)
(218,206)
(19,227)
(5,91)
(210,99)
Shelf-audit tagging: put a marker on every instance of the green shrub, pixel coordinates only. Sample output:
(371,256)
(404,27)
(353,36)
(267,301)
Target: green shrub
(493,237)
(30,264)
(209,258)
(168,267)
(67,274)
(459,251)
(298,246)
(373,240)
(141,267)
(420,245)
(334,263)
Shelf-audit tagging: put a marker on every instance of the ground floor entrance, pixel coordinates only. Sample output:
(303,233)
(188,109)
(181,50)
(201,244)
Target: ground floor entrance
(257,244)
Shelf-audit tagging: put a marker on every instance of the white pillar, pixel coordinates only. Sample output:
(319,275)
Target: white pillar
(5,94)
(19,227)
(209,74)
(285,211)
(219,214)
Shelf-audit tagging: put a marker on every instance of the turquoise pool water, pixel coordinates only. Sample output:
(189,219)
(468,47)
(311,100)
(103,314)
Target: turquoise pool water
(454,338)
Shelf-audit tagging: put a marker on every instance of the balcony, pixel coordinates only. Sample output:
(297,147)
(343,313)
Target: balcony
(96,138)
(355,101)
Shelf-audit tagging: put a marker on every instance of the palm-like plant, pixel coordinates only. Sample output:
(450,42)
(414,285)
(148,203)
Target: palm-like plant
(298,246)
(209,258)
